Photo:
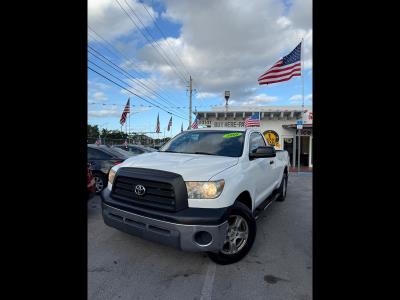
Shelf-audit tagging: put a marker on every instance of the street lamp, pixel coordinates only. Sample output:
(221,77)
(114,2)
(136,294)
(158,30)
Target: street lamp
(227,95)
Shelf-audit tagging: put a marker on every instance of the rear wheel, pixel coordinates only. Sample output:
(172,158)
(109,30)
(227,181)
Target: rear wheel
(283,188)
(239,237)
(101,182)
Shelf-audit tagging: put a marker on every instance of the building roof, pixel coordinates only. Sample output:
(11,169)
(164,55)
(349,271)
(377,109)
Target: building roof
(220,129)
(254,108)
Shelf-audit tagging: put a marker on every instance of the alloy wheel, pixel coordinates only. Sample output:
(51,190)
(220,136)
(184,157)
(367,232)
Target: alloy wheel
(237,235)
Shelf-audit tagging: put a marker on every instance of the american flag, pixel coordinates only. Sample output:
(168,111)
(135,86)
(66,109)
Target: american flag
(195,124)
(182,127)
(169,124)
(158,124)
(125,112)
(284,69)
(253,120)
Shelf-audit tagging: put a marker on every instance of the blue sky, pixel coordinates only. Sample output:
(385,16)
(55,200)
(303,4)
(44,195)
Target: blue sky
(220,53)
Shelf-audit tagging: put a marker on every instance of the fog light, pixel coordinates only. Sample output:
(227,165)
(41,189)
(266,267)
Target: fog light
(203,238)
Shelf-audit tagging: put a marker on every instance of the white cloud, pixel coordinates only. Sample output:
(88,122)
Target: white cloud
(296,97)
(99,96)
(283,22)
(115,111)
(107,112)
(261,99)
(97,85)
(227,44)
(108,19)
(301,13)
(95,91)
(205,95)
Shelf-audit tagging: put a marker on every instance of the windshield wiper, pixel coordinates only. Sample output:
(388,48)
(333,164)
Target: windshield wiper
(205,153)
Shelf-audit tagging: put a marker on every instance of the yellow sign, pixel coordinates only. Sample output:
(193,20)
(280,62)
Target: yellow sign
(272,138)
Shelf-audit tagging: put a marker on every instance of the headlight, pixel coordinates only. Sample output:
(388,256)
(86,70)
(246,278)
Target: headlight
(111,176)
(204,189)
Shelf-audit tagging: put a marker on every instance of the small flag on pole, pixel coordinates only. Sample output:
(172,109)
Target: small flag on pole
(253,120)
(195,124)
(169,124)
(182,127)
(125,112)
(158,124)
(286,68)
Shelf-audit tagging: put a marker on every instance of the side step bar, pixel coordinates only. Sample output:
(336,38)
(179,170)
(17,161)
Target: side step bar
(265,204)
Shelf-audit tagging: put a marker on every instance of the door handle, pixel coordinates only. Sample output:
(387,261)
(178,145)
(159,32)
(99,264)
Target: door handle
(271,162)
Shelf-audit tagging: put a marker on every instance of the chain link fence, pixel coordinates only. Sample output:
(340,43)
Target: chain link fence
(138,140)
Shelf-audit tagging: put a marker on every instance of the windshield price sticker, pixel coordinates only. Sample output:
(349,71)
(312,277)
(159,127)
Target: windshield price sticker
(231,135)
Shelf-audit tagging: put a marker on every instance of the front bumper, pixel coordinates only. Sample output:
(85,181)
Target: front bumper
(181,236)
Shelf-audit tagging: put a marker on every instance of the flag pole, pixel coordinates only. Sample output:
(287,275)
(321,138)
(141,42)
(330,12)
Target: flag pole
(302,74)
(302,104)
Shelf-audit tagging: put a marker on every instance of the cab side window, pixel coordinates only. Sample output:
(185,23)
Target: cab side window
(256,140)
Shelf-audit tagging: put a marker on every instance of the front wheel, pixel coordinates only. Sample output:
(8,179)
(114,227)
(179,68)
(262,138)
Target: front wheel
(239,237)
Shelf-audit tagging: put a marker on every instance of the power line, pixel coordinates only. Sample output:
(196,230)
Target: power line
(149,33)
(112,74)
(155,22)
(123,82)
(117,84)
(121,55)
(125,73)
(134,23)
(141,105)
(166,40)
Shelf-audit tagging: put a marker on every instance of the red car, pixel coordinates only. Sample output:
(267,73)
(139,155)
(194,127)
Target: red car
(91,183)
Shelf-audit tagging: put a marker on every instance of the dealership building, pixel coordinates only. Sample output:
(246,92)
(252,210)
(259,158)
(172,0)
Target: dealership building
(278,123)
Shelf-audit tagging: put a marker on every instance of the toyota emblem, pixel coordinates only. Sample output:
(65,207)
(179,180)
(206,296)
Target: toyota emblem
(140,190)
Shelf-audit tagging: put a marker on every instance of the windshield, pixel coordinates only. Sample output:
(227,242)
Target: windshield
(222,143)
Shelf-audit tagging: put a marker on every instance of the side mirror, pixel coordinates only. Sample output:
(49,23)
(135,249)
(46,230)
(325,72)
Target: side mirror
(263,152)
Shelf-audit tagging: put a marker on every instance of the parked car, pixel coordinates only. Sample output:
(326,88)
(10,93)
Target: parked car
(135,149)
(101,159)
(203,191)
(123,151)
(91,183)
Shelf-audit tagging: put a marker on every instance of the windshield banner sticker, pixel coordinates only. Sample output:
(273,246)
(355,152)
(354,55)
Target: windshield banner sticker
(231,135)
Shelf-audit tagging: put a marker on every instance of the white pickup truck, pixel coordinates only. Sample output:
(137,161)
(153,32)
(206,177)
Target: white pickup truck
(202,191)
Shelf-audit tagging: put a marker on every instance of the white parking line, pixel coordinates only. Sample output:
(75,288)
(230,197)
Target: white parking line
(206,291)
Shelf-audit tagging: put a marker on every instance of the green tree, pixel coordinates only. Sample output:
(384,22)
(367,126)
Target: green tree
(92,131)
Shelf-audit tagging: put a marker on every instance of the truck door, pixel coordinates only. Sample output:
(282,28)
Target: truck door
(261,169)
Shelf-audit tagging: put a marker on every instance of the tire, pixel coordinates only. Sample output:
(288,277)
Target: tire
(101,181)
(239,212)
(282,190)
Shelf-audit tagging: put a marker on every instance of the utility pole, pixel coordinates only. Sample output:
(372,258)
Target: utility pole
(190,100)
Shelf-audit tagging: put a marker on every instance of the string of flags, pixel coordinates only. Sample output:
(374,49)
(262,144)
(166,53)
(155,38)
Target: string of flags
(149,106)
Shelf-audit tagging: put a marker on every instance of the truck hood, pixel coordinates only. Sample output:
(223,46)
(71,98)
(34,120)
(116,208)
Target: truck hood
(192,167)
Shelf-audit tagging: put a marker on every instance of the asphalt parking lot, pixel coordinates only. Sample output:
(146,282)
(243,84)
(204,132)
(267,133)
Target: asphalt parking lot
(279,266)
